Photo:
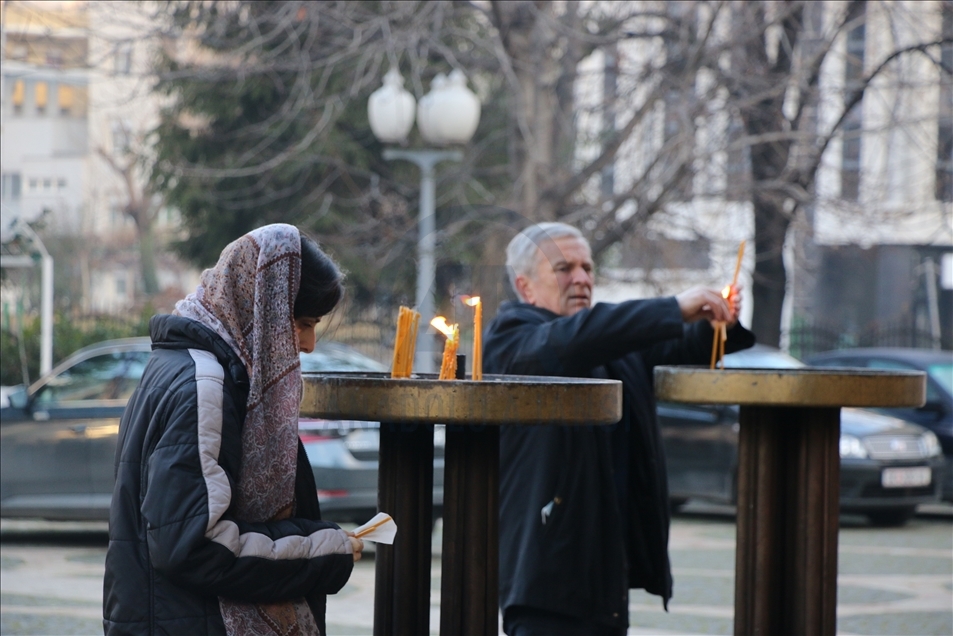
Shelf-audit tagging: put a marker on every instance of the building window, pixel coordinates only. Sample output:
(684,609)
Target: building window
(120,134)
(41,93)
(54,57)
(65,98)
(78,101)
(853,123)
(122,58)
(10,186)
(850,160)
(61,184)
(19,92)
(47,185)
(738,186)
(34,184)
(944,162)
(121,285)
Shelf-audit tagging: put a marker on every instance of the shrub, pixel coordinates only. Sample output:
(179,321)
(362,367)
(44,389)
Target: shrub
(70,332)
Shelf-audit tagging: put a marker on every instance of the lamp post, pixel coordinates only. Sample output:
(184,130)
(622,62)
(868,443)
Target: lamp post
(46,289)
(448,114)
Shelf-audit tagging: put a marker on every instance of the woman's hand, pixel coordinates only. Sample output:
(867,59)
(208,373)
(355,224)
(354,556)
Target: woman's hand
(357,546)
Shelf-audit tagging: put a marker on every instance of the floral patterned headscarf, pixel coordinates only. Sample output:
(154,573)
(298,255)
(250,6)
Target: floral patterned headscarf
(248,299)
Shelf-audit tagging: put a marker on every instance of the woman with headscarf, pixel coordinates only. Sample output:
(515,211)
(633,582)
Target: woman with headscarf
(215,526)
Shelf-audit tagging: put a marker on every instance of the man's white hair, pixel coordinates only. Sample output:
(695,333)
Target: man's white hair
(521,252)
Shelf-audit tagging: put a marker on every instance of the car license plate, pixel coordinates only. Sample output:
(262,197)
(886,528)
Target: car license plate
(905,477)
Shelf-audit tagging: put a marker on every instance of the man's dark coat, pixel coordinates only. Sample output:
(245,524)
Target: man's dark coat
(584,511)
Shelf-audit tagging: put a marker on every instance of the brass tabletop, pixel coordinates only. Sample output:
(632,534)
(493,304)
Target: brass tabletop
(495,400)
(806,386)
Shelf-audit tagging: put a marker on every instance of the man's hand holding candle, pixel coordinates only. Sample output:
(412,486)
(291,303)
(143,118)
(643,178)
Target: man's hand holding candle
(721,309)
(700,303)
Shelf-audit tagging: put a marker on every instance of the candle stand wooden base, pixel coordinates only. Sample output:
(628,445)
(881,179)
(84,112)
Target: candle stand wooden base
(788,481)
(473,412)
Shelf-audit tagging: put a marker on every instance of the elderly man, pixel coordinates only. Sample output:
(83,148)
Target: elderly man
(584,510)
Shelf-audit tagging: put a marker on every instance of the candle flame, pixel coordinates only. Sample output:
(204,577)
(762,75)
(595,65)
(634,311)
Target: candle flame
(472,301)
(440,324)
(726,292)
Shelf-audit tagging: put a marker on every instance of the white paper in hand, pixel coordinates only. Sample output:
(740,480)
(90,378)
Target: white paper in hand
(380,529)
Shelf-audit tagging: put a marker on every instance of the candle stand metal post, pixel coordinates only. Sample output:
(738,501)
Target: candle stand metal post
(473,412)
(788,481)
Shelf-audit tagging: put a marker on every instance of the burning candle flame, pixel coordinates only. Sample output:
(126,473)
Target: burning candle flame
(726,292)
(440,324)
(472,301)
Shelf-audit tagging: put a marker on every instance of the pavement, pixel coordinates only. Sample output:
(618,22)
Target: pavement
(890,581)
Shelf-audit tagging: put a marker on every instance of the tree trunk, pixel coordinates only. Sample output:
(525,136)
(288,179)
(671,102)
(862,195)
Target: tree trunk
(771,221)
(147,258)
(770,228)
(528,37)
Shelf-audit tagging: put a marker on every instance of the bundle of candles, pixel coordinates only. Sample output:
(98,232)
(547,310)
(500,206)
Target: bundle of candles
(721,329)
(405,343)
(448,366)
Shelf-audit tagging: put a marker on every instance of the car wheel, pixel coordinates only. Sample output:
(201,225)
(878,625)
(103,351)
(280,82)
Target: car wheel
(892,518)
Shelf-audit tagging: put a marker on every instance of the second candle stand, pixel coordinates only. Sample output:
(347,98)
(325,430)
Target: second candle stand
(473,413)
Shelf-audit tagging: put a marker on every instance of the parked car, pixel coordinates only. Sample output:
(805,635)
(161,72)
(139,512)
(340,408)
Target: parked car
(5,392)
(344,454)
(58,437)
(936,414)
(888,466)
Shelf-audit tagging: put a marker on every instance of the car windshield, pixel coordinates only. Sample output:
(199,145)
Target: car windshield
(943,374)
(337,357)
(758,358)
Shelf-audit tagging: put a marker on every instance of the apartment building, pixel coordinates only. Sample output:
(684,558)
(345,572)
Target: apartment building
(76,106)
(869,255)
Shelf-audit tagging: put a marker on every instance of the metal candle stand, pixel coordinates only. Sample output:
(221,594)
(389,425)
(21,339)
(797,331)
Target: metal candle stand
(473,412)
(788,481)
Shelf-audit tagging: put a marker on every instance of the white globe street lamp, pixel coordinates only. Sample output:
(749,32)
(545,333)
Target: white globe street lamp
(390,109)
(448,114)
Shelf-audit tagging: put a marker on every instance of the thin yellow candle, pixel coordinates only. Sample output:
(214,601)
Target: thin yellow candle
(723,340)
(474,301)
(741,253)
(412,344)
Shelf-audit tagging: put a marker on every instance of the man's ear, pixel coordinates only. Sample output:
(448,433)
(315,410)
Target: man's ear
(525,289)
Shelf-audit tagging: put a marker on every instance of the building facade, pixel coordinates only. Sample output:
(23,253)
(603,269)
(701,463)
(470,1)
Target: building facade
(76,109)
(869,253)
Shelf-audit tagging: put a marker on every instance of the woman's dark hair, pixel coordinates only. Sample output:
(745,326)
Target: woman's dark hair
(322,283)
